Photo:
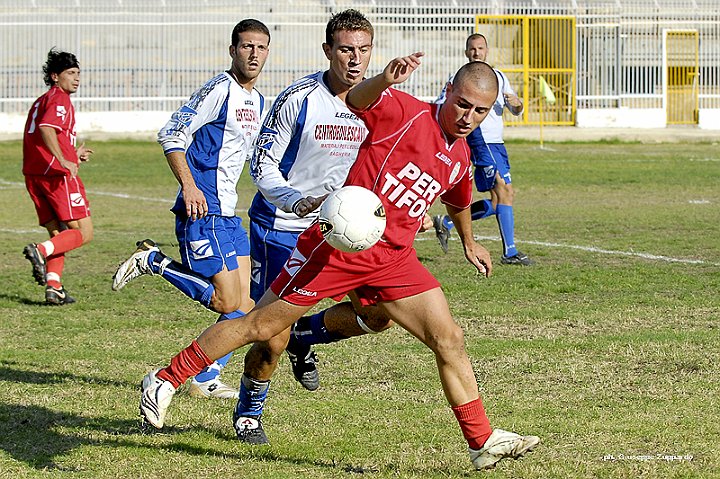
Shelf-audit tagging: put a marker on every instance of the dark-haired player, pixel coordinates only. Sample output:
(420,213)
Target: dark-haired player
(206,143)
(414,154)
(50,165)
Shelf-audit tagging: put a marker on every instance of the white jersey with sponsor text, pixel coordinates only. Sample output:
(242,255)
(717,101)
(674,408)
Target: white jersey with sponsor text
(307,144)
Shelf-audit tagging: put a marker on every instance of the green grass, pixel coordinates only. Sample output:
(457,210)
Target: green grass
(609,346)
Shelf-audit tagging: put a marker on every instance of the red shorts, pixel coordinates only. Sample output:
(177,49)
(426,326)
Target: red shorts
(58,198)
(316,270)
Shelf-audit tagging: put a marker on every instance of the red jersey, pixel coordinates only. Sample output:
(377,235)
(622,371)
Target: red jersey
(55,110)
(408,162)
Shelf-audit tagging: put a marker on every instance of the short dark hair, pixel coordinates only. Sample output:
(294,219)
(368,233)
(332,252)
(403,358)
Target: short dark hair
(248,25)
(348,20)
(473,37)
(57,62)
(481,74)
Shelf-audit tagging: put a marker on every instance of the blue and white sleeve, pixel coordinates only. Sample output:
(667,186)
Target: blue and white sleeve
(272,145)
(203,107)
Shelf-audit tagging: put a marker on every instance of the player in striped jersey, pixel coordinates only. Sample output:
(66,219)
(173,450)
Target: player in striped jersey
(50,166)
(206,143)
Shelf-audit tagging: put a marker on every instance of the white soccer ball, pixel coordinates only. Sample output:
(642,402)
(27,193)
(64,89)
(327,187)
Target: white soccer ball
(352,219)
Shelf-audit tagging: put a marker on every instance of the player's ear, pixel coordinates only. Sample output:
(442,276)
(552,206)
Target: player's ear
(328,50)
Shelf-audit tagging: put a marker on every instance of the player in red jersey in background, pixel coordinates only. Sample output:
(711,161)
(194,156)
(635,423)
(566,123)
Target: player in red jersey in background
(50,166)
(415,152)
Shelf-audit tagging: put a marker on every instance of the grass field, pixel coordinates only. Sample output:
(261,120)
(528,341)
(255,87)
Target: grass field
(608,348)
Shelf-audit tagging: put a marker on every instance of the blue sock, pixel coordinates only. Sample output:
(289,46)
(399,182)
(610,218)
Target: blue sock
(190,283)
(213,371)
(482,209)
(447,222)
(506,222)
(252,396)
(311,330)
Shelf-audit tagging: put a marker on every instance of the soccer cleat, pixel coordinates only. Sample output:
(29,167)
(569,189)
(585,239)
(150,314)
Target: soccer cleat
(213,388)
(442,233)
(136,265)
(32,253)
(249,429)
(519,259)
(304,364)
(57,296)
(155,399)
(500,445)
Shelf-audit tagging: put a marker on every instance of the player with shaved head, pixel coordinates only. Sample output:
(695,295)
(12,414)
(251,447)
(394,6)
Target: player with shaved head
(415,153)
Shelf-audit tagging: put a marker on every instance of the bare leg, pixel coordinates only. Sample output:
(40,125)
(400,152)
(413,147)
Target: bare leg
(427,317)
(270,317)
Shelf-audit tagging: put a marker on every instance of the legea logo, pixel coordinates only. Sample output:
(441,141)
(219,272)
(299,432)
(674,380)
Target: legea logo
(201,249)
(294,262)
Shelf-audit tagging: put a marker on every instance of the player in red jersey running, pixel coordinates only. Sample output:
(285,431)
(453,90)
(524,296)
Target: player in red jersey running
(50,166)
(415,152)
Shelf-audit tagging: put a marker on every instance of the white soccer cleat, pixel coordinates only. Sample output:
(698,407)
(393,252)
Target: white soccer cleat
(499,445)
(213,388)
(155,399)
(136,265)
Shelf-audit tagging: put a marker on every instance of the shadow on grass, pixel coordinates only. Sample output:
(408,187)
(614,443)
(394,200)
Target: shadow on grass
(36,377)
(36,436)
(26,301)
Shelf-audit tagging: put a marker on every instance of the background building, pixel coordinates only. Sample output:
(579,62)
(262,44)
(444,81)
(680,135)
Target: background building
(623,63)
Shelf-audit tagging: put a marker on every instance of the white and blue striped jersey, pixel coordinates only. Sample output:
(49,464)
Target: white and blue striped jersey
(216,128)
(492,126)
(307,144)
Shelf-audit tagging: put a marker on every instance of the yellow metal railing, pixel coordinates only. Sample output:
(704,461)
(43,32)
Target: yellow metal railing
(526,48)
(681,74)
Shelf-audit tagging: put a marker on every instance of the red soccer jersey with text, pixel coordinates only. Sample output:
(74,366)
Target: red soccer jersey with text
(55,110)
(408,162)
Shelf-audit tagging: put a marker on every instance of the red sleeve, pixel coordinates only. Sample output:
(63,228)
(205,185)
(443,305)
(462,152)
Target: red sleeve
(384,116)
(57,112)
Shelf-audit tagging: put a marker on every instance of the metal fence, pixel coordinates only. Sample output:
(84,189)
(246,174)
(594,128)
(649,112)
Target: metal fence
(149,55)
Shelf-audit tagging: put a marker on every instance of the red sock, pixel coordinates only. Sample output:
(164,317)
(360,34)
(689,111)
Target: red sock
(185,364)
(474,423)
(63,242)
(54,266)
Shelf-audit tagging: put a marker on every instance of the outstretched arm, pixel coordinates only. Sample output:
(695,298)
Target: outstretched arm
(397,71)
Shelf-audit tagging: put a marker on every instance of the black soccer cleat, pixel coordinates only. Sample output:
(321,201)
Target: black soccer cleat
(442,233)
(304,364)
(32,253)
(249,429)
(520,259)
(57,296)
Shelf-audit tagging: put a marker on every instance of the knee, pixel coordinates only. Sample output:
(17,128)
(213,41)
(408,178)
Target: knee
(263,353)
(505,193)
(87,236)
(450,341)
(223,307)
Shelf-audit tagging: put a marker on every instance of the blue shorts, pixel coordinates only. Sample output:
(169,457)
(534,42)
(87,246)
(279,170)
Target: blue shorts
(209,244)
(493,158)
(269,249)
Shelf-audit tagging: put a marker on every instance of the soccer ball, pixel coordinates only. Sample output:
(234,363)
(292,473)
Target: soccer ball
(352,219)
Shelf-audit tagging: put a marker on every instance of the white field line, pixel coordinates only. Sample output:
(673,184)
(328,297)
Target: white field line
(14,184)
(590,249)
